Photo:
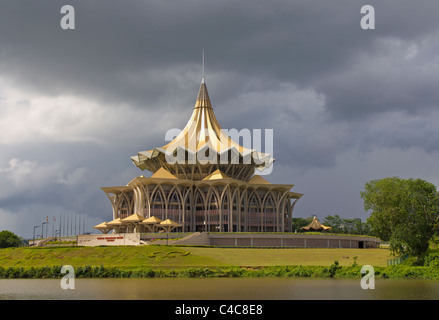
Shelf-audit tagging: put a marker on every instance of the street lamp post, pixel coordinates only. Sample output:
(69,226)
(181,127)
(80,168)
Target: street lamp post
(58,236)
(42,229)
(33,242)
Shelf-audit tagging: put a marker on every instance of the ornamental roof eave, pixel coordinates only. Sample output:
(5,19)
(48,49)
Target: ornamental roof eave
(116,190)
(295,195)
(147,180)
(182,155)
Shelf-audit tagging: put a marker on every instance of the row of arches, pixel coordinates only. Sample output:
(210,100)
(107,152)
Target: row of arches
(212,208)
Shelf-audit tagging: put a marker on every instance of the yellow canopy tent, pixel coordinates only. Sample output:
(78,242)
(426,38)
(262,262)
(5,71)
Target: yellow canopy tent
(132,222)
(116,224)
(133,218)
(103,227)
(151,223)
(168,225)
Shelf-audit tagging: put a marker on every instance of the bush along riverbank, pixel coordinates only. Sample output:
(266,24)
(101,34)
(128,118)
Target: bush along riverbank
(334,271)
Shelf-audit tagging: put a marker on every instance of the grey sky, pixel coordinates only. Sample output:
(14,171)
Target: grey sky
(346,105)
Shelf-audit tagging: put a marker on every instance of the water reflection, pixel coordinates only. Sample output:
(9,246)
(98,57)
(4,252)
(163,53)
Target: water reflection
(218,289)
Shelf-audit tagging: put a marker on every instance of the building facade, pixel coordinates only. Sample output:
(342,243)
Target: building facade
(205,181)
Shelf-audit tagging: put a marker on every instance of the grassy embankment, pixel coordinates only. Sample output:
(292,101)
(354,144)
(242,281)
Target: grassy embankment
(173,261)
(181,257)
(170,261)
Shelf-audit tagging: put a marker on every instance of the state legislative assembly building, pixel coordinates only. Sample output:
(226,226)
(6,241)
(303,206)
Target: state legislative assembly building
(213,187)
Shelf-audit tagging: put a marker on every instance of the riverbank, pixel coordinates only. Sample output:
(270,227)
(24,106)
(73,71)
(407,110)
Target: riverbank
(334,271)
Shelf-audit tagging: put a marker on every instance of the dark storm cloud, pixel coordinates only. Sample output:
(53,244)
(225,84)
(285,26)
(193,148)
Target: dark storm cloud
(125,51)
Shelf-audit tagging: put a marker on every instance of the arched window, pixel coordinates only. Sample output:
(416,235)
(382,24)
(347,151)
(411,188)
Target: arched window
(254,213)
(234,209)
(213,217)
(225,212)
(269,217)
(125,207)
(174,206)
(187,211)
(200,211)
(244,211)
(158,203)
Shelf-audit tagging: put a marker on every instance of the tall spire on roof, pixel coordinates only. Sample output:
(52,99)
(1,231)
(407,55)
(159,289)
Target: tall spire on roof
(202,76)
(203,100)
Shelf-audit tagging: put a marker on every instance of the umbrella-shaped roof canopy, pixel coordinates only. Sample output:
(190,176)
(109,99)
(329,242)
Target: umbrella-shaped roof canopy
(115,222)
(133,218)
(151,220)
(169,223)
(315,225)
(102,225)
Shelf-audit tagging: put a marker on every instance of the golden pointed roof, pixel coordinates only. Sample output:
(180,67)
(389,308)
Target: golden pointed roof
(102,225)
(257,179)
(203,136)
(203,100)
(151,220)
(217,174)
(169,223)
(115,222)
(133,218)
(163,174)
(203,129)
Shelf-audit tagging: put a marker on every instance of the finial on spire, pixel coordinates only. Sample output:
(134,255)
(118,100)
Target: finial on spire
(202,76)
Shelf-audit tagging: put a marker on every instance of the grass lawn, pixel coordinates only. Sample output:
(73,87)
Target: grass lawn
(178,257)
(305,257)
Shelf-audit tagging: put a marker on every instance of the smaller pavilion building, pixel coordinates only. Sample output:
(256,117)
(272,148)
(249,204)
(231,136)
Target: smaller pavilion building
(315,225)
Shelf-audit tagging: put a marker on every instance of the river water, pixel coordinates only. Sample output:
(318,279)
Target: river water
(217,289)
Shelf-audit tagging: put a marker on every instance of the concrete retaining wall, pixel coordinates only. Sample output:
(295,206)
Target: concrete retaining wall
(292,240)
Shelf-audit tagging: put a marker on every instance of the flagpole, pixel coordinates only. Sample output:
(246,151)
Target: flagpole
(63,217)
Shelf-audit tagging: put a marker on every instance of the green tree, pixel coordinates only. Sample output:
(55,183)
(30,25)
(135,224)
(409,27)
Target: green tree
(344,225)
(335,222)
(353,226)
(404,211)
(297,223)
(9,239)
